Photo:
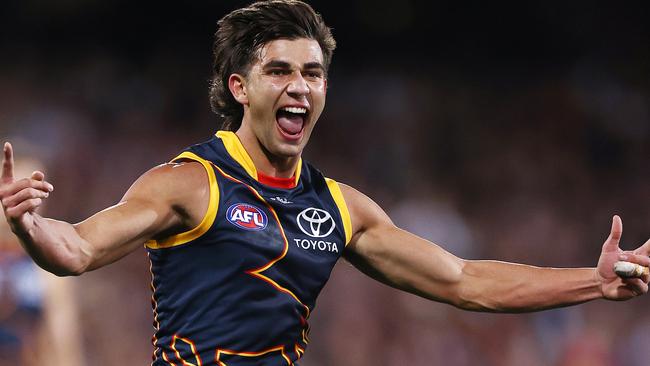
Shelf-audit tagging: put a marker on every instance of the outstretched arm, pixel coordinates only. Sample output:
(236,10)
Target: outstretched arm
(405,261)
(152,206)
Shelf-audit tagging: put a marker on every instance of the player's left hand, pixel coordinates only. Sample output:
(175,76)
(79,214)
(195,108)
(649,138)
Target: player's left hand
(613,286)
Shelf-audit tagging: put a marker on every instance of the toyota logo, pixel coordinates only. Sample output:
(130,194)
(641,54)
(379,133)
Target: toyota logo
(315,222)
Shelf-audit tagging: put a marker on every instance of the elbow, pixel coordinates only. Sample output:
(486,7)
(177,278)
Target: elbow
(468,299)
(476,300)
(66,269)
(470,292)
(490,286)
(76,259)
(76,267)
(69,264)
(476,303)
(61,269)
(62,272)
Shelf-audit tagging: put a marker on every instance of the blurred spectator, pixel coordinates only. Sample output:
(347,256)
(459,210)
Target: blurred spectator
(39,321)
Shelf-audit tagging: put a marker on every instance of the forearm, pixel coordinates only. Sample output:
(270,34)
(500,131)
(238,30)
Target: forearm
(407,262)
(508,287)
(55,246)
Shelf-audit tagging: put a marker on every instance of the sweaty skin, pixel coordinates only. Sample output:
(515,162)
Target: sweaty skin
(289,73)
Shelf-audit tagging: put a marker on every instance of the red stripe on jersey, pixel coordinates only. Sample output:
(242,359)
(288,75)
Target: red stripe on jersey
(276,182)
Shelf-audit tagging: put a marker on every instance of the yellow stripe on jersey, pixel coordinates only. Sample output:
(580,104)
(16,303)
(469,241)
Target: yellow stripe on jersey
(208,218)
(298,170)
(336,193)
(239,153)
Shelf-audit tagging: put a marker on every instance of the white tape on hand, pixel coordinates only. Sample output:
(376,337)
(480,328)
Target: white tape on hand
(630,270)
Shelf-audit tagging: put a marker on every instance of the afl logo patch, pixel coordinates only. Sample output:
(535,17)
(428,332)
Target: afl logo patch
(246,216)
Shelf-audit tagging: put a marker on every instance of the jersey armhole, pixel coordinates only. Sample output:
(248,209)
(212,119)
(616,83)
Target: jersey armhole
(208,218)
(337,195)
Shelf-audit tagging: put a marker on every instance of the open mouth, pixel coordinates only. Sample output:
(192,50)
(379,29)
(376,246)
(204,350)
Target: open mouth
(291,121)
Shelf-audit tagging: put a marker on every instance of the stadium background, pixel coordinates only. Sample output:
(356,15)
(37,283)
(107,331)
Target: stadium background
(502,132)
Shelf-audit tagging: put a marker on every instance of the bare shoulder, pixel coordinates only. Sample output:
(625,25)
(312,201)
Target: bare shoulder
(170,181)
(364,212)
(180,186)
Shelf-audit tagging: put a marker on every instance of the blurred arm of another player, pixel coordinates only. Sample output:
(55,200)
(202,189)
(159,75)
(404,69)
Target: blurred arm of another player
(154,205)
(407,262)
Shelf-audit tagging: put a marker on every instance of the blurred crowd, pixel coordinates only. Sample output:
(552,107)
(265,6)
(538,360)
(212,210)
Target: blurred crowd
(508,166)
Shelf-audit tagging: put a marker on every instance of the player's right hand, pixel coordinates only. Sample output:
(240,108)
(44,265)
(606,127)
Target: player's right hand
(21,197)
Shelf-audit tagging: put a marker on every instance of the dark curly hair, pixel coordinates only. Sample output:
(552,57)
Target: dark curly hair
(242,33)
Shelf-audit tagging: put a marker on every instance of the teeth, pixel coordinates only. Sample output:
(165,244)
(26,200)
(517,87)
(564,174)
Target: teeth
(295,110)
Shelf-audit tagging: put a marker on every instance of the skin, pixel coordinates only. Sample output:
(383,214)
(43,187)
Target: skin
(57,335)
(287,73)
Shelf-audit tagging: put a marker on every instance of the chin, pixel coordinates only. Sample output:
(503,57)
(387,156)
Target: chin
(288,151)
(287,147)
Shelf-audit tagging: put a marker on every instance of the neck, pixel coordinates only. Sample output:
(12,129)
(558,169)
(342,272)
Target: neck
(266,162)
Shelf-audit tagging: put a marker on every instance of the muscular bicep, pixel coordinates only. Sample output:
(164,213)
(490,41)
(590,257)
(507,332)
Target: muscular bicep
(396,257)
(166,200)
(113,233)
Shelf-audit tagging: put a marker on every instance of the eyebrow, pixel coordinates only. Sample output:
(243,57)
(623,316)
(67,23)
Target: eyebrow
(285,65)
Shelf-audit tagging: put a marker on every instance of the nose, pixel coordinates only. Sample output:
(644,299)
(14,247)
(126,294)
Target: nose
(298,85)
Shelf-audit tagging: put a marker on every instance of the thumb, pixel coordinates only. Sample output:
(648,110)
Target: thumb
(611,244)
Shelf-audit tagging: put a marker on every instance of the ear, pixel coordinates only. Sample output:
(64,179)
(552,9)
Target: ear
(237,86)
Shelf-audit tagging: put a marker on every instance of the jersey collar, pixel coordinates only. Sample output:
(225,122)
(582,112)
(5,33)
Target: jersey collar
(239,153)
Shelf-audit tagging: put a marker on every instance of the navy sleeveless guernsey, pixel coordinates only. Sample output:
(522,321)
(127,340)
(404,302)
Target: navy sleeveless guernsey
(238,289)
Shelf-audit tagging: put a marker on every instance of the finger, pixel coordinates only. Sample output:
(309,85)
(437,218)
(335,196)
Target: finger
(636,285)
(19,185)
(23,195)
(643,249)
(643,260)
(38,175)
(23,207)
(643,279)
(611,244)
(7,163)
